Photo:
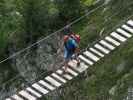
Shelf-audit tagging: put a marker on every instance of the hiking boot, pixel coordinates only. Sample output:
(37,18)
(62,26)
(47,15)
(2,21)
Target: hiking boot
(64,71)
(78,64)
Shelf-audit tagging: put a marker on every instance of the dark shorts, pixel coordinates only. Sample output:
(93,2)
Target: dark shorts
(68,54)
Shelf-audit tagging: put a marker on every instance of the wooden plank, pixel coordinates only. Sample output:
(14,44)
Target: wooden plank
(118,37)
(66,75)
(130,22)
(128,35)
(101,48)
(39,88)
(108,38)
(59,77)
(86,60)
(27,95)
(71,71)
(111,47)
(80,68)
(46,85)
(91,56)
(127,28)
(33,92)
(53,81)
(16,97)
(8,99)
(97,52)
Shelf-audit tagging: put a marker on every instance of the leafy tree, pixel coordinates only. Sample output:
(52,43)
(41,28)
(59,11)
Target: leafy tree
(9,18)
(68,9)
(35,16)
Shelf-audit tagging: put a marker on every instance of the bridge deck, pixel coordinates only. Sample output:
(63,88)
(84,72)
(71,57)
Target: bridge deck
(88,58)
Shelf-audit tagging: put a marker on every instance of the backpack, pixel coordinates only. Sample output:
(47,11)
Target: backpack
(68,39)
(76,37)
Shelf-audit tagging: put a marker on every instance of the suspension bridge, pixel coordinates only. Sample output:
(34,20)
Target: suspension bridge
(88,58)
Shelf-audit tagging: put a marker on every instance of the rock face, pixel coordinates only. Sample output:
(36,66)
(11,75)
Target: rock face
(35,63)
(42,57)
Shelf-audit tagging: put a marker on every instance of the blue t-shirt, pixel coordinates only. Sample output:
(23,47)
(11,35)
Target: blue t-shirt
(71,44)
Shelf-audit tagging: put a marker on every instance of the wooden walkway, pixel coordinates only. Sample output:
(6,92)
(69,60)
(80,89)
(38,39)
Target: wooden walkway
(88,58)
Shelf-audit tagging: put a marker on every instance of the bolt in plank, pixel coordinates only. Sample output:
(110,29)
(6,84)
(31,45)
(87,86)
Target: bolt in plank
(127,28)
(80,68)
(71,71)
(118,37)
(46,85)
(33,92)
(103,42)
(53,81)
(16,97)
(130,22)
(108,38)
(97,52)
(86,60)
(67,76)
(91,56)
(101,48)
(27,95)
(39,88)
(124,33)
(59,77)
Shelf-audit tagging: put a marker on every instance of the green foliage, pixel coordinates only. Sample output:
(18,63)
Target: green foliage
(34,21)
(9,22)
(68,9)
(87,2)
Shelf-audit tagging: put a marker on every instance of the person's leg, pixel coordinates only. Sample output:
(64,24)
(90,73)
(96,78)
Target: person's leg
(76,53)
(67,57)
(77,59)
(66,65)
